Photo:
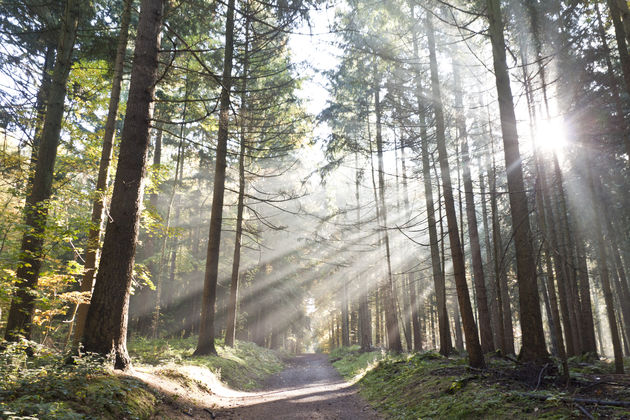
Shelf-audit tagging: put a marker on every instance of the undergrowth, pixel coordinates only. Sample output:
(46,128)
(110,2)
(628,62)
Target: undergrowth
(242,367)
(44,386)
(37,383)
(352,364)
(430,386)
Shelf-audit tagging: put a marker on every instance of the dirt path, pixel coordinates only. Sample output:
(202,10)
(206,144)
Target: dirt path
(309,388)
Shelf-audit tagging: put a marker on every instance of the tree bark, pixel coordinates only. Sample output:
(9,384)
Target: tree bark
(533,343)
(205,345)
(622,46)
(506,334)
(40,107)
(230,329)
(106,323)
(96,222)
(497,321)
(471,337)
(438,274)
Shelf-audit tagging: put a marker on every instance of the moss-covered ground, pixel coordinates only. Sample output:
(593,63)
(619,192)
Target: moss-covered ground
(430,386)
(37,383)
(44,385)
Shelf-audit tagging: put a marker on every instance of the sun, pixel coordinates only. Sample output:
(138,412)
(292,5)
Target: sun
(551,136)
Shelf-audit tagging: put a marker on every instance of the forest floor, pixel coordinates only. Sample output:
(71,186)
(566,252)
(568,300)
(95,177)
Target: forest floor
(249,382)
(430,386)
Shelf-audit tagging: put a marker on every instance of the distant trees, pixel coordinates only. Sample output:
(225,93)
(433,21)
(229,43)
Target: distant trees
(431,132)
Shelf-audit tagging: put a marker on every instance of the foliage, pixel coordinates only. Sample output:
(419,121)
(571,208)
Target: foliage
(244,366)
(45,386)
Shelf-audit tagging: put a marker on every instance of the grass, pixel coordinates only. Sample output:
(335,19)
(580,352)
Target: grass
(430,386)
(243,367)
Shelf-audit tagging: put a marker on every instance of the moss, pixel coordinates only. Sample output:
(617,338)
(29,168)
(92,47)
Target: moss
(44,386)
(429,386)
(242,367)
(352,363)
(76,396)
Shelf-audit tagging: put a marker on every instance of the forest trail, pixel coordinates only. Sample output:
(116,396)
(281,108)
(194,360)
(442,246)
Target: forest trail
(308,388)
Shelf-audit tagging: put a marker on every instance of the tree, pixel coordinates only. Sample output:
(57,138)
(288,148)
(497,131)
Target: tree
(391,317)
(533,348)
(205,344)
(230,329)
(485,327)
(98,206)
(106,323)
(36,208)
(475,354)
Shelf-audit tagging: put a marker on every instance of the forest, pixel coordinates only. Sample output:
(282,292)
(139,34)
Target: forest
(432,196)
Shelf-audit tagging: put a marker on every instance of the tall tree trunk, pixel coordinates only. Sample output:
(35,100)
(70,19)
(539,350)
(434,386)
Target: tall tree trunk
(473,347)
(485,326)
(141,302)
(163,261)
(533,343)
(612,80)
(377,293)
(623,290)
(412,290)
(365,322)
(497,322)
(459,340)
(40,107)
(19,322)
(506,342)
(96,223)
(438,274)
(345,315)
(106,323)
(588,324)
(605,275)
(415,318)
(205,345)
(391,319)
(567,248)
(230,329)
